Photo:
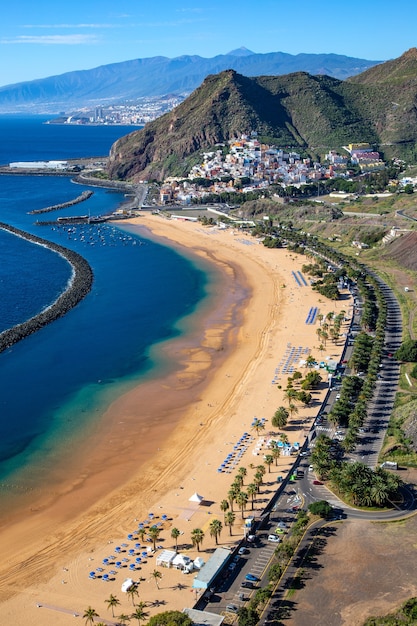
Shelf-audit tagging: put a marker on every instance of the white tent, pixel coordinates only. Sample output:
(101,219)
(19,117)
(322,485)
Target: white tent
(165,558)
(181,561)
(196,498)
(127,584)
(198,562)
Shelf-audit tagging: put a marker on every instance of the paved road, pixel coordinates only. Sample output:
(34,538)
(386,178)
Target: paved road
(303,492)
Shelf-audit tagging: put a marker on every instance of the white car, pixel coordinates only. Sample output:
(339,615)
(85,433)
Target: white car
(274,538)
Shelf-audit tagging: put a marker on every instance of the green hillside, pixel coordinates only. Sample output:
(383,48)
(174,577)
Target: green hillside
(298,110)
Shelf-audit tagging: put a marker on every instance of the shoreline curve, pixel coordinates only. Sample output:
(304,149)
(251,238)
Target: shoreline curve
(78,287)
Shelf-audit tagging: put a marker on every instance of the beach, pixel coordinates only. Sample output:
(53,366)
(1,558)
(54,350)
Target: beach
(228,368)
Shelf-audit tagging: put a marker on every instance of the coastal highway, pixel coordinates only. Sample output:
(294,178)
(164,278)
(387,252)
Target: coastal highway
(229,590)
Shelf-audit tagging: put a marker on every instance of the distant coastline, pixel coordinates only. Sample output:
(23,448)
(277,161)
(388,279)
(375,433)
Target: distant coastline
(78,287)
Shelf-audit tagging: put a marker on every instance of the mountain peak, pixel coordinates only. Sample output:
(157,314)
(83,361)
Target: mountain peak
(410,54)
(240,52)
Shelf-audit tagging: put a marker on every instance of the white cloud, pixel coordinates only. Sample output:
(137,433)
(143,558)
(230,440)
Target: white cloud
(51,40)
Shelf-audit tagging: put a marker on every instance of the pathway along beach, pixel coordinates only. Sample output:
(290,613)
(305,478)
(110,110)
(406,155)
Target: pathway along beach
(164,440)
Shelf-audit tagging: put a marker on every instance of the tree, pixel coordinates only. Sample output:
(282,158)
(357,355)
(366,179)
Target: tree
(154,533)
(175,533)
(242,500)
(197,536)
(293,409)
(216,528)
(139,613)
(321,508)
(269,459)
(274,573)
(89,615)
(231,494)
(407,351)
(123,618)
(229,520)
(280,417)
(248,616)
(112,602)
(170,618)
(242,471)
(224,506)
(252,491)
(291,394)
(275,452)
(132,592)
(156,575)
(258,425)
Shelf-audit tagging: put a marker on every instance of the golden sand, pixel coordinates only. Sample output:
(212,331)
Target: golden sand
(226,373)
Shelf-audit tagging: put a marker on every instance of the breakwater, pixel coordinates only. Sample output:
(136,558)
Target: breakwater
(78,287)
(56,207)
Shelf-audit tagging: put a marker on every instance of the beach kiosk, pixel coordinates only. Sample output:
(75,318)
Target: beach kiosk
(165,558)
(211,569)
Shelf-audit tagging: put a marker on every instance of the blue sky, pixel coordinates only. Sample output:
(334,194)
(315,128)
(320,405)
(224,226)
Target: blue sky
(40,38)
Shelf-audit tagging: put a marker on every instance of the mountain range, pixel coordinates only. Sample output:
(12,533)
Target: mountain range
(307,112)
(160,76)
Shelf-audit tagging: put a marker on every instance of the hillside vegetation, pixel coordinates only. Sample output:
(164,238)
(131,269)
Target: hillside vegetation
(312,113)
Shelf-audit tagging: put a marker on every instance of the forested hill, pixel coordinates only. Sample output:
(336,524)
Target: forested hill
(298,110)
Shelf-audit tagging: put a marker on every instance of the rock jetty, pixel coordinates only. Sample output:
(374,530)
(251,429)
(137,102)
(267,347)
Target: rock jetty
(56,207)
(78,287)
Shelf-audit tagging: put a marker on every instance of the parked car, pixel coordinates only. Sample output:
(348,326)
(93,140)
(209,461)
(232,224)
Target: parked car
(252,578)
(247,584)
(274,538)
(243,551)
(317,482)
(232,608)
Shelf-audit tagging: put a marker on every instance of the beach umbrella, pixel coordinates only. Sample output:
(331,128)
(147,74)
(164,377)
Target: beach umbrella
(105,561)
(118,564)
(132,566)
(137,545)
(164,517)
(131,552)
(92,574)
(130,536)
(117,549)
(138,559)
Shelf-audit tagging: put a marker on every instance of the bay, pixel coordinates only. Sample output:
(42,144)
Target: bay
(58,381)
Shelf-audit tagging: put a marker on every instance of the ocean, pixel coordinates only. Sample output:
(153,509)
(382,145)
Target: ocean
(56,382)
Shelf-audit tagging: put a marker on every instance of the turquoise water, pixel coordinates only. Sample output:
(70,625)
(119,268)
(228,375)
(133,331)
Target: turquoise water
(57,382)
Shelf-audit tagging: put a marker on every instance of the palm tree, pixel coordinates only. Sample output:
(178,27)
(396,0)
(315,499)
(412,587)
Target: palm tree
(242,500)
(231,494)
(293,409)
(139,613)
(156,575)
(258,425)
(275,451)
(112,602)
(284,438)
(291,395)
(215,529)
(280,417)
(175,533)
(242,471)
(154,533)
(252,491)
(224,505)
(89,615)
(197,536)
(269,459)
(123,618)
(132,592)
(141,533)
(229,520)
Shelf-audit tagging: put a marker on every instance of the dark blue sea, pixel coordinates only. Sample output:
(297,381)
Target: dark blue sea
(56,381)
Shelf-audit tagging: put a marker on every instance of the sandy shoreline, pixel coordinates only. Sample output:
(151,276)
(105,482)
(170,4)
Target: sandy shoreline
(223,379)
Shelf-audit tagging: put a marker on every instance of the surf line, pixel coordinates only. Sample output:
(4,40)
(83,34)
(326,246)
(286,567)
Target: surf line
(78,286)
